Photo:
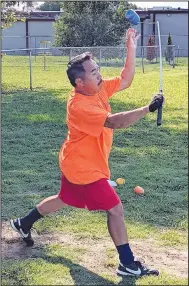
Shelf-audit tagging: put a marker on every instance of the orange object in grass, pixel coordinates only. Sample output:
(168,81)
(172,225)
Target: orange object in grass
(139,190)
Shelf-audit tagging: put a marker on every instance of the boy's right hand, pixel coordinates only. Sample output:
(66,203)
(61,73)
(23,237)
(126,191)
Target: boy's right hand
(157,101)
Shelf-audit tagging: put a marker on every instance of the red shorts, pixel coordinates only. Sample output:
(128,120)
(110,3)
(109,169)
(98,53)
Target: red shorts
(98,195)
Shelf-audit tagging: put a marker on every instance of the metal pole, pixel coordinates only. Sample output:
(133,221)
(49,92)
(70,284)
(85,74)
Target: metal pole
(100,55)
(159,115)
(178,54)
(30,59)
(160,59)
(143,59)
(123,56)
(174,57)
(70,54)
(44,61)
(35,49)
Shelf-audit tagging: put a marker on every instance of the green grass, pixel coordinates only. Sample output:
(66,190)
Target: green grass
(62,271)
(33,129)
(58,265)
(16,76)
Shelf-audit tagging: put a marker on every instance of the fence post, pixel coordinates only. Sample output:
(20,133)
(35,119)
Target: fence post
(70,54)
(143,59)
(35,49)
(156,55)
(178,54)
(44,60)
(30,59)
(174,57)
(100,55)
(123,56)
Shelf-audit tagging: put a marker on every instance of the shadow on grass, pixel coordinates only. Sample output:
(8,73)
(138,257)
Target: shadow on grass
(82,276)
(21,266)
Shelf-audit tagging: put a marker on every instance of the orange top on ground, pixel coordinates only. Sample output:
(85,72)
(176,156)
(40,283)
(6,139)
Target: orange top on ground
(83,157)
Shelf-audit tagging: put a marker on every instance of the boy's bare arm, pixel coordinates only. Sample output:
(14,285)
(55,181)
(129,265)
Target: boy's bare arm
(125,119)
(128,70)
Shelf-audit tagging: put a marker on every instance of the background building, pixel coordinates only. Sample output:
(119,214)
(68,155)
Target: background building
(173,21)
(38,27)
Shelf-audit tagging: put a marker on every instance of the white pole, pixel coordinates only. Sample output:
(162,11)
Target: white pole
(159,115)
(160,58)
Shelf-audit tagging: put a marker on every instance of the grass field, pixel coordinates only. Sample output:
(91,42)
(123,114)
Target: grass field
(73,246)
(54,67)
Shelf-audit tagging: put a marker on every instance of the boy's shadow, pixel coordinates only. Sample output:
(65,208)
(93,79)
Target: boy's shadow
(80,275)
(83,276)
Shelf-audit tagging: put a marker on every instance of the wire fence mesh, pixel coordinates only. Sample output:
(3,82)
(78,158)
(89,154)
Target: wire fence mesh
(46,41)
(22,68)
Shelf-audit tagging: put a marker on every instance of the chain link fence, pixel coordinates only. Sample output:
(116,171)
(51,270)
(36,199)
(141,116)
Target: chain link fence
(30,42)
(24,69)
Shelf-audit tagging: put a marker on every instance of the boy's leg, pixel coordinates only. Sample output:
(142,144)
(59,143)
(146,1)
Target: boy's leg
(50,204)
(118,233)
(23,225)
(116,225)
(101,196)
(69,194)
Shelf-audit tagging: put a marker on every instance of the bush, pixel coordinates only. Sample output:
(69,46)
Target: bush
(151,51)
(169,51)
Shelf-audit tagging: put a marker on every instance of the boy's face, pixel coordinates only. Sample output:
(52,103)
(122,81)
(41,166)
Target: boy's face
(91,83)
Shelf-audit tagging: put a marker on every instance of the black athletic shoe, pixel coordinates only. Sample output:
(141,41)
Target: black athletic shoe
(26,237)
(135,269)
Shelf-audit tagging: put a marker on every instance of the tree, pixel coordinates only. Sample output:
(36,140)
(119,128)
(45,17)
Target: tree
(50,6)
(151,49)
(92,23)
(169,52)
(9,15)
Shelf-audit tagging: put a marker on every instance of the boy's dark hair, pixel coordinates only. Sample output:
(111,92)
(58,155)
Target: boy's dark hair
(75,67)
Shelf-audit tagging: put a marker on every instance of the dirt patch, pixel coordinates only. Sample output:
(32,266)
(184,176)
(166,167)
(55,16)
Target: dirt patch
(170,260)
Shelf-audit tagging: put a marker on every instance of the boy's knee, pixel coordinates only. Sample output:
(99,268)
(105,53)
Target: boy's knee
(116,211)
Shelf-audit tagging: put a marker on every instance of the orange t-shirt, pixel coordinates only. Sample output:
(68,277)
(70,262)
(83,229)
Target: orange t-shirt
(83,158)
